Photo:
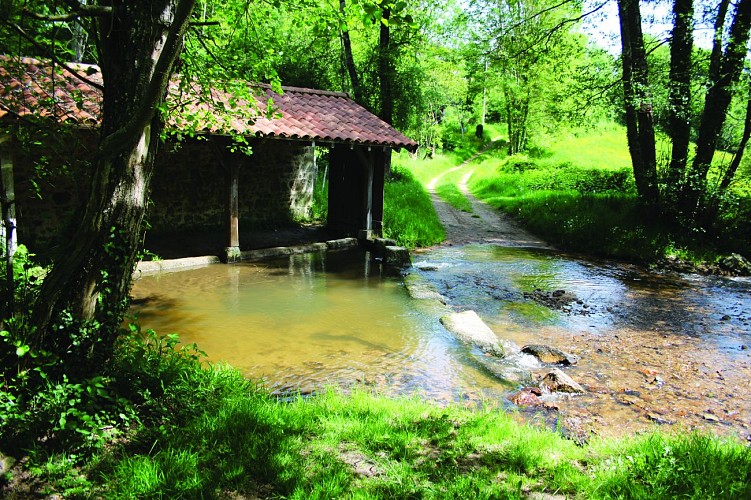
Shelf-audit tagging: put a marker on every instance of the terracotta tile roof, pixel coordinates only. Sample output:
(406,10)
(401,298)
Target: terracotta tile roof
(29,86)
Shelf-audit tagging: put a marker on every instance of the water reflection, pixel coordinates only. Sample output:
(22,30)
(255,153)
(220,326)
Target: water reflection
(309,320)
(654,348)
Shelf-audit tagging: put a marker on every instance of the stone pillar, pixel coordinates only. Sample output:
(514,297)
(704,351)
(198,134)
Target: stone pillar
(232,251)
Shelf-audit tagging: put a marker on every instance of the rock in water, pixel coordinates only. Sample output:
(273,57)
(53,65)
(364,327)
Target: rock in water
(529,396)
(470,329)
(505,369)
(397,256)
(420,289)
(557,381)
(551,355)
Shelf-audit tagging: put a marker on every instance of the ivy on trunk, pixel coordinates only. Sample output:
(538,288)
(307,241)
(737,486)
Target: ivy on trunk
(82,301)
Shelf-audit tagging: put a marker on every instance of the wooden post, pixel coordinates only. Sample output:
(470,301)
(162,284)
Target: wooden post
(365,158)
(368,198)
(380,160)
(232,251)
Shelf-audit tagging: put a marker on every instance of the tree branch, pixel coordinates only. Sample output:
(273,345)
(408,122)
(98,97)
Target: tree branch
(79,10)
(51,55)
(159,80)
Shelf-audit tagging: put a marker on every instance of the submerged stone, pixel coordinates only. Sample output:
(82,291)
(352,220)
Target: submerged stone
(420,289)
(529,396)
(550,355)
(505,369)
(557,381)
(470,329)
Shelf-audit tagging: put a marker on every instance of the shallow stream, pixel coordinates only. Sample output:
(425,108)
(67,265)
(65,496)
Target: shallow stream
(654,349)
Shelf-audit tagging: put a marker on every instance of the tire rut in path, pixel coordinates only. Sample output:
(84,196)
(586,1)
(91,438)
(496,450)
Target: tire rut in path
(483,224)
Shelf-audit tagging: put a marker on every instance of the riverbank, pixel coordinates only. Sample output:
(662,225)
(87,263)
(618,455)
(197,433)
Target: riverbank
(211,433)
(650,366)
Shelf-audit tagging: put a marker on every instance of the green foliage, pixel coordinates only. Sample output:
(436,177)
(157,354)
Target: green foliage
(408,213)
(27,275)
(38,402)
(545,176)
(686,466)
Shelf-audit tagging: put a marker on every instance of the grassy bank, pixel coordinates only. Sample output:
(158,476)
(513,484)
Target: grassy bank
(579,195)
(408,213)
(207,432)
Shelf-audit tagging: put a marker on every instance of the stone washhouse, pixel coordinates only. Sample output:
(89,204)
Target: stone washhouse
(203,193)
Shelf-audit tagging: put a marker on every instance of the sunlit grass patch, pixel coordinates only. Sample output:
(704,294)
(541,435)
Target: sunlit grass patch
(408,213)
(687,465)
(603,148)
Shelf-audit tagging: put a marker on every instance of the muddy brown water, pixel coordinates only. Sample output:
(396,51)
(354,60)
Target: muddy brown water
(664,350)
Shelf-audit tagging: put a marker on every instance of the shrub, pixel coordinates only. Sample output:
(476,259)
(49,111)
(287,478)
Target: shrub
(517,163)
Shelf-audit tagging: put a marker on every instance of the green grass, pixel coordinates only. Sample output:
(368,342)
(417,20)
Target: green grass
(424,169)
(579,195)
(224,435)
(408,213)
(602,148)
(200,431)
(452,195)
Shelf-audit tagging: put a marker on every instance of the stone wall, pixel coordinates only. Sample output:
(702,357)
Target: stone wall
(189,190)
(50,186)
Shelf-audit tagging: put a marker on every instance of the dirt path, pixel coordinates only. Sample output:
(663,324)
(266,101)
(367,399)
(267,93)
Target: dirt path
(483,224)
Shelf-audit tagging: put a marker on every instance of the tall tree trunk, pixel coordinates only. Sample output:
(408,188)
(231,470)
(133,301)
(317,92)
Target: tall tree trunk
(349,58)
(716,106)
(679,118)
(386,69)
(81,303)
(715,57)
(639,121)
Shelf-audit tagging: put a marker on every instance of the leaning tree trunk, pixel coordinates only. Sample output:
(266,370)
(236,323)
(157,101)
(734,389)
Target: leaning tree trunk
(713,208)
(639,120)
(82,301)
(716,106)
(738,157)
